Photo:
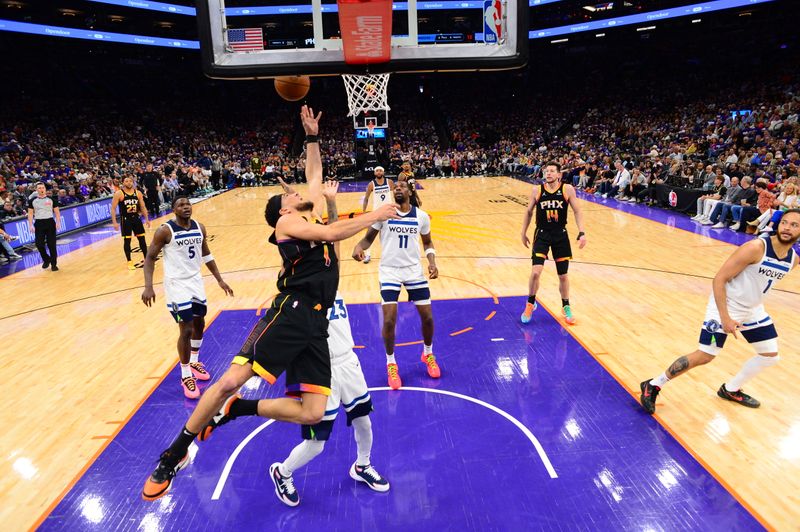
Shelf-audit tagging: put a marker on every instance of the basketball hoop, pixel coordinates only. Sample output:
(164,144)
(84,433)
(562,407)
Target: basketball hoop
(366,93)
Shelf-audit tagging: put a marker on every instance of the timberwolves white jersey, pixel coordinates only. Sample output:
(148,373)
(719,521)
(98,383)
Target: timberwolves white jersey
(748,289)
(340,336)
(183,254)
(400,238)
(381,195)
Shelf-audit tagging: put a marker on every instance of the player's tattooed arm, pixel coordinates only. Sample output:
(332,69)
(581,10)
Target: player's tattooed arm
(678,367)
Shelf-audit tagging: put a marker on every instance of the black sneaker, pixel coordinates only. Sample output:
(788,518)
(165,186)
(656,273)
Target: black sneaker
(738,397)
(160,481)
(45,264)
(284,486)
(369,476)
(55,268)
(219,419)
(648,397)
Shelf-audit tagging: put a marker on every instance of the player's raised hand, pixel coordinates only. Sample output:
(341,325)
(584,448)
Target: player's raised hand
(358,254)
(386,212)
(330,189)
(148,296)
(525,241)
(225,288)
(310,122)
(731,326)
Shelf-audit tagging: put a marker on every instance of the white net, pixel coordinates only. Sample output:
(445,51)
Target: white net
(366,93)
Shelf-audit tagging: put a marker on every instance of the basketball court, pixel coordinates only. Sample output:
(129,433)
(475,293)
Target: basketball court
(532,426)
(540,421)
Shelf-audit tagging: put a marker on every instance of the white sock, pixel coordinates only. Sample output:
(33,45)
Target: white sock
(751,368)
(660,381)
(195,356)
(427,349)
(300,456)
(390,359)
(186,371)
(362,427)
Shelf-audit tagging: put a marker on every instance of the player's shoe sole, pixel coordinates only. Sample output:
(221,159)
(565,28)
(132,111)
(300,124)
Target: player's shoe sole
(160,481)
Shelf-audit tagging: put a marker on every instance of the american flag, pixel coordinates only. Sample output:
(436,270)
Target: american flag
(246,39)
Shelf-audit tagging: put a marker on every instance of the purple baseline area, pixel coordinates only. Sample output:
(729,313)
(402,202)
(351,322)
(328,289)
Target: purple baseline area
(452,464)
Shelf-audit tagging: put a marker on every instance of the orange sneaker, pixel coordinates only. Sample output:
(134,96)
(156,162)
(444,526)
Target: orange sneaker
(433,367)
(394,378)
(528,313)
(158,484)
(199,371)
(568,317)
(190,389)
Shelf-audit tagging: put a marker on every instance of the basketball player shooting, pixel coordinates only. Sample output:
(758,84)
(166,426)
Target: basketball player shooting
(736,306)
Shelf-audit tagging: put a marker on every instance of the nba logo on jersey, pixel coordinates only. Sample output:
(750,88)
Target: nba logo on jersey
(492,21)
(673,199)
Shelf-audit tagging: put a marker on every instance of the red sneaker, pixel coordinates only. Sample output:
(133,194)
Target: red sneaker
(433,367)
(394,377)
(190,389)
(199,371)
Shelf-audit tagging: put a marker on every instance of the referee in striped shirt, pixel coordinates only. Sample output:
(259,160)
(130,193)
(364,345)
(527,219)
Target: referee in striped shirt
(44,219)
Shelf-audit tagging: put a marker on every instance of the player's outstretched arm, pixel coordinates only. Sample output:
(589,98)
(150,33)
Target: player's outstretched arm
(329,193)
(364,244)
(294,226)
(287,188)
(160,239)
(313,157)
(746,255)
(211,264)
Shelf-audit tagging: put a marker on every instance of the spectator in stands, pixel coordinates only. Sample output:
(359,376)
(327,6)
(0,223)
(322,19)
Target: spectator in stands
(713,217)
(745,195)
(635,187)
(706,203)
(749,211)
(787,199)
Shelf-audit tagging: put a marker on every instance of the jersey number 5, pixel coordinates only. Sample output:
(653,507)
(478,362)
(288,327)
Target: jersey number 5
(191,252)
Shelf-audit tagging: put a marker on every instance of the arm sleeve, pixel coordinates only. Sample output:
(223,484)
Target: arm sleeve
(378,226)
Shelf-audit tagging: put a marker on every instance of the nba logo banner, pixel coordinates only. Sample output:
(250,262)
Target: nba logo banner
(493,21)
(673,199)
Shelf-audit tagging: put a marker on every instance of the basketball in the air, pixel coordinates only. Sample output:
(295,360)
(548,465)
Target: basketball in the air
(292,88)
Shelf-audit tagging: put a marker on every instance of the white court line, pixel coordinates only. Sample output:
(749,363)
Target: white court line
(539,449)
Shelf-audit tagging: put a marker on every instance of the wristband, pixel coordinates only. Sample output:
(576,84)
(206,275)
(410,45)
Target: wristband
(208,258)
(581,234)
(430,251)
(311,138)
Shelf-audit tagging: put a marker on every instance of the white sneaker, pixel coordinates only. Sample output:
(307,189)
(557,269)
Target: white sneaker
(735,227)
(719,225)
(697,218)
(706,221)
(370,476)
(605,195)
(15,257)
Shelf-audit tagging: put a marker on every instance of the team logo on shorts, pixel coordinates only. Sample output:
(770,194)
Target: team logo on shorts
(713,326)
(175,308)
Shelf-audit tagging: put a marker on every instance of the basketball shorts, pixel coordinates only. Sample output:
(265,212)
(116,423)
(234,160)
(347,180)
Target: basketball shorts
(348,390)
(132,226)
(557,241)
(392,279)
(291,337)
(186,298)
(757,329)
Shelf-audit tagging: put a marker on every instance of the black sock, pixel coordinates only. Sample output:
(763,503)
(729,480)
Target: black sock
(126,246)
(181,444)
(244,407)
(565,302)
(532,300)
